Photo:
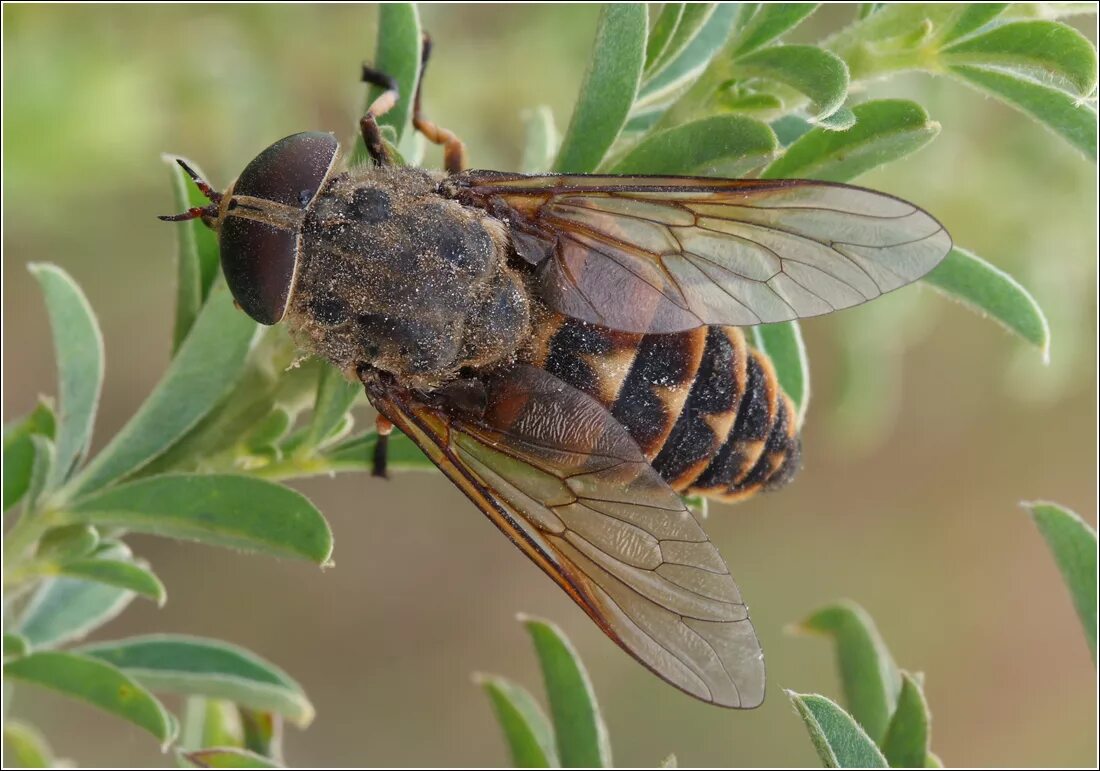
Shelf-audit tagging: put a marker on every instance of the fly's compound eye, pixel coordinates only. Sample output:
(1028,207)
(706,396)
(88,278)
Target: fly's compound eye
(258,257)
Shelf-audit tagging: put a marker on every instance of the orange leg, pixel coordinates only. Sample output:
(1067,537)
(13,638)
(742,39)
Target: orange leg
(454,152)
(368,124)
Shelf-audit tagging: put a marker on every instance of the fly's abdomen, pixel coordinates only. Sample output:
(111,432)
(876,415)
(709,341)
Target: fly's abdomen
(705,408)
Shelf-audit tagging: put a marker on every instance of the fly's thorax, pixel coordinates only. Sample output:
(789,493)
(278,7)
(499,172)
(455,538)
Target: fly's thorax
(397,277)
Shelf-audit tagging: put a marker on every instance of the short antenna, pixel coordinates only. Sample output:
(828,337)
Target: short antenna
(195,212)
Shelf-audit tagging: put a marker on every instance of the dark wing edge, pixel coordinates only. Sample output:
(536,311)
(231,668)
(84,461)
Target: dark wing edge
(608,531)
(665,254)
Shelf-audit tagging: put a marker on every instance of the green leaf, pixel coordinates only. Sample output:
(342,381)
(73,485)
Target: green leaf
(19,451)
(540,143)
(263,733)
(124,575)
(228,757)
(721,145)
(355,454)
(270,430)
(838,739)
(769,22)
(78,344)
(398,55)
(1073,543)
(528,732)
(204,667)
(217,509)
(783,344)
(972,17)
(210,723)
(25,747)
(66,609)
(820,76)
(204,370)
(68,542)
(841,120)
(1071,118)
(1045,51)
(97,683)
(965,277)
(661,85)
(578,726)
(690,23)
(906,742)
(197,254)
(335,395)
(15,645)
(867,671)
(44,460)
(661,31)
(885,130)
(608,90)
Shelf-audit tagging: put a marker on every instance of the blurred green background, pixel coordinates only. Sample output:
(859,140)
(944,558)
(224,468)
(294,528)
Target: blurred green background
(915,458)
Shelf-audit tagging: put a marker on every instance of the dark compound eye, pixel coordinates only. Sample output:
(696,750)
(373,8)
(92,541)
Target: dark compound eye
(258,258)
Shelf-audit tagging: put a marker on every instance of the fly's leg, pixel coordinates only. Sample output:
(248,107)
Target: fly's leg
(381,447)
(454,152)
(368,124)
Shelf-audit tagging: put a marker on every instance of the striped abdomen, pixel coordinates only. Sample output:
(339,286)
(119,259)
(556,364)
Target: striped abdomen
(705,408)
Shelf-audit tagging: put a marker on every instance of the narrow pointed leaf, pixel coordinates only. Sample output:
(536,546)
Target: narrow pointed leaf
(25,747)
(228,757)
(540,144)
(19,451)
(15,645)
(210,723)
(197,255)
(263,732)
(662,85)
(608,90)
(660,32)
(906,742)
(769,22)
(398,55)
(1073,544)
(691,23)
(783,344)
(578,725)
(990,291)
(885,130)
(204,369)
(721,145)
(97,683)
(838,739)
(45,459)
(217,509)
(78,345)
(868,674)
(1049,52)
(355,454)
(820,76)
(335,395)
(973,17)
(68,542)
(204,667)
(526,729)
(1071,118)
(124,575)
(65,609)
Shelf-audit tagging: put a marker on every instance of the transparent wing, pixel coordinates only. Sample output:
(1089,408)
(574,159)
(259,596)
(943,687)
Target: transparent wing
(567,484)
(664,254)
